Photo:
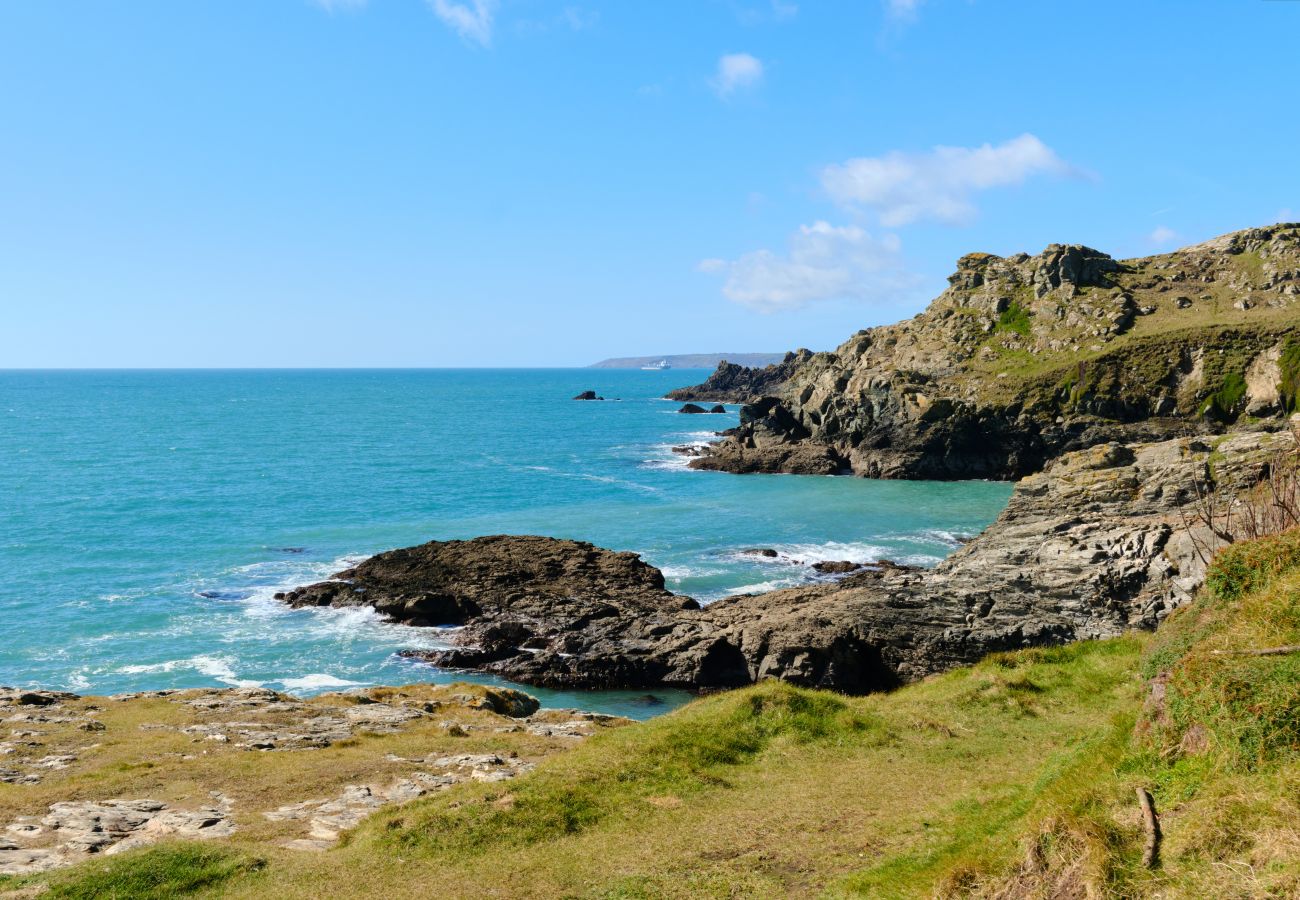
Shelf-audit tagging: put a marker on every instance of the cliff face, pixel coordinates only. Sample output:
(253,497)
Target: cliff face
(1025,357)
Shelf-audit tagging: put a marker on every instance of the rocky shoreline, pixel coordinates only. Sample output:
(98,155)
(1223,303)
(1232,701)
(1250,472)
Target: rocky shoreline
(1103,540)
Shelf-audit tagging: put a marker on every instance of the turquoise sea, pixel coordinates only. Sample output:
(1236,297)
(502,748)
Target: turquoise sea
(146,517)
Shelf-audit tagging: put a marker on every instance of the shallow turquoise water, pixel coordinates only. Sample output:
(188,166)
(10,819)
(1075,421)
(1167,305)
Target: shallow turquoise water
(126,497)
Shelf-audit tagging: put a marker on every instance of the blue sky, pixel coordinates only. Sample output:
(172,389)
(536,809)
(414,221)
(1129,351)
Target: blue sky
(549,182)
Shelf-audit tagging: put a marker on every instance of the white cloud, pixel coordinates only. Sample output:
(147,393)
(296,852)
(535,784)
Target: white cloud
(906,187)
(737,71)
(472,20)
(1162,236)
(824,262)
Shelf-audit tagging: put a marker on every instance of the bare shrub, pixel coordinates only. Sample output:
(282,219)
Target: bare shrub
(1220,515)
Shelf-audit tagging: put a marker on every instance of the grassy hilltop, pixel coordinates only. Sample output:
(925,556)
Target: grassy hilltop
(1025,357)
(1014,778)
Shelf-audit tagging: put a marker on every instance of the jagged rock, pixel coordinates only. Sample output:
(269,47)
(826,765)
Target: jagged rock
(766,552)
(588,395)
(692,409)
(950,394)
(731,383)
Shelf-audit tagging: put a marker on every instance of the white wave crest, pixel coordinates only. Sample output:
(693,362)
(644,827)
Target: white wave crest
(315,682)
(220,668)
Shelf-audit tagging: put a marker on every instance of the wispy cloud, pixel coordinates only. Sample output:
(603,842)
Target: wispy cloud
(940,185)
(1162,236)
(331,6)
(579,19)
(823,262)
(902,10)
(737,71)
(762,14)
(472,20)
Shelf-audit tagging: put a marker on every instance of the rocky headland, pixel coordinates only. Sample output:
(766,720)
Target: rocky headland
(1102,541)
(1024,358)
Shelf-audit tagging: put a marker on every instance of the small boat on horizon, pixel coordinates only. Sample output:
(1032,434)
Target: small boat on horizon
(657,367)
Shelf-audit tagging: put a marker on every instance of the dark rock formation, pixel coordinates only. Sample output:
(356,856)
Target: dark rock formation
(1024,358)
(588,395)
(731,383)
(692,409)
(767,552)
(1091,547)
(718,408)
(837,567)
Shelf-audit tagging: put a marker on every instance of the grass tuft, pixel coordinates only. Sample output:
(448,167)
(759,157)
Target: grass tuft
(1015,318)
(170,870)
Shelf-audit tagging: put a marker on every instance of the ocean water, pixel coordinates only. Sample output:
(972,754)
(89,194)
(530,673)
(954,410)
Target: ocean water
(147,517)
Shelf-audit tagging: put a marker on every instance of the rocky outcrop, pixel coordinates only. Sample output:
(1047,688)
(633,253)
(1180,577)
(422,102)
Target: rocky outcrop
(81,828)
(588,395)
(1096,544)
(519,578)
(178,761)
(1024,358)
(519,597)
(732,383)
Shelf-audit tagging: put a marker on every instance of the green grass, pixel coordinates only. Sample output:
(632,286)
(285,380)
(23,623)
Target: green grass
(1223,403)
(696,754)
(166,871)
(1221,753)
(1015,318)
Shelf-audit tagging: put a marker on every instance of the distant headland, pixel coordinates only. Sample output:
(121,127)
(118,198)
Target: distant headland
(690,360)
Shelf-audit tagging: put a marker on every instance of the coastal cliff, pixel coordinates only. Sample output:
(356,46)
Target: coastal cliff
(1024,357)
